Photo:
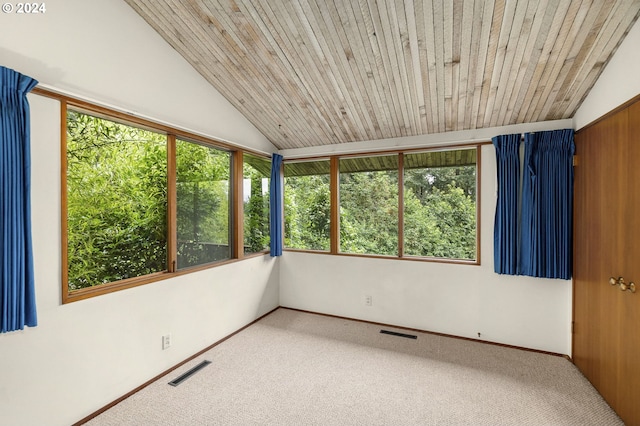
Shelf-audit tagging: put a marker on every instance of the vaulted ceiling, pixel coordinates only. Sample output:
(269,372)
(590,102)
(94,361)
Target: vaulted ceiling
(317,72)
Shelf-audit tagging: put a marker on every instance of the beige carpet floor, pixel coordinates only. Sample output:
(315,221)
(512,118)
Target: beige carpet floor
(294,368)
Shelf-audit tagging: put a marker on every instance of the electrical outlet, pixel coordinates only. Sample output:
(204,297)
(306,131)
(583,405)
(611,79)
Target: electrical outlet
(368,300)
(166,341)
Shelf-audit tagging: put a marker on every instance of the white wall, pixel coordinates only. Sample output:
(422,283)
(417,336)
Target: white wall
(618,83)
(456,299)
(86,354)
(461,300)
(101,50)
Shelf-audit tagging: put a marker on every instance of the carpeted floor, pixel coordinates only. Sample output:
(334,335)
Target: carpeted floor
(294,368)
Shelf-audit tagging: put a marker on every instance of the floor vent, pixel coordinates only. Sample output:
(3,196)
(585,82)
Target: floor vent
(395,333)
(185,376)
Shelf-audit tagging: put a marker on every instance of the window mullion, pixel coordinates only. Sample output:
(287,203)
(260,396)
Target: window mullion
(172,246)
(237,179)
(401,205)
(63,187)
(335,206)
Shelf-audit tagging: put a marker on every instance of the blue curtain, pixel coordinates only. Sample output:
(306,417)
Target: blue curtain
(505,231)
(275,206)
(529,221)
(17,293)
(547,205)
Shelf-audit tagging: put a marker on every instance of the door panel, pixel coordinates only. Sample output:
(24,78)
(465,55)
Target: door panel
(610,153)
(587,229)
(594,238)
(629,304)
(606,337)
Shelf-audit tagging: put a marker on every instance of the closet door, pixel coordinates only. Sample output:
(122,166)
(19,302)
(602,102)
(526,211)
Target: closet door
(606,339)
(628,303)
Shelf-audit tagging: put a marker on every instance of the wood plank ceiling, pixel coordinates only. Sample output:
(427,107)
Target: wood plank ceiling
(318,72)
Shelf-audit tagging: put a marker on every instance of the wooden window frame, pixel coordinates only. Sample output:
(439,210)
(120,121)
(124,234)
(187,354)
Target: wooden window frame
(232,222)
(334,217)
(172,134)
(335,203)
(237,214)
(399,215)
(475,261)
(240,191)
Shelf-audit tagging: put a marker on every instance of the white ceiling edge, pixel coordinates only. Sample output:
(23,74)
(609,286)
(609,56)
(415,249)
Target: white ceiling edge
(425,141)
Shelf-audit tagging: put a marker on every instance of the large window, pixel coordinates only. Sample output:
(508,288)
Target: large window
(369,205)
(406,204)
(256,172)
(143,201)
(116,201)
(440,204)
(203,215)
(307,205)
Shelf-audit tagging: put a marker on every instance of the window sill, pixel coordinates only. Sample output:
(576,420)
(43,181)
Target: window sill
(389,257)
(98,290)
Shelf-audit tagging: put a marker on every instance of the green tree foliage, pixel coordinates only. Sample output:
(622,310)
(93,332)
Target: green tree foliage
(117,206)
(307,201)
(202,187)
(256,212)
(116,201)
(369,212)
(439,212)
(422,181)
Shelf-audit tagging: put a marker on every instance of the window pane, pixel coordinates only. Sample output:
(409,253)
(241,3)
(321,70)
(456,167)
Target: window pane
(307,205)
(255,187)
(202,186)
(440,204)
(116,201)
(369,205)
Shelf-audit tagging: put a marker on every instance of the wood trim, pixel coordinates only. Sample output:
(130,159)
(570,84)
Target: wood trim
(128,119)
(605,341)
(256,254)
(64,228)
(237,204)
(391,257)
(89,292)
(172,135)
(164,373)
(474,262)
(433,333)
(172,205)
(334,184)
(308,251)
(131,118)
(335,207)
(305,159)
(610,113)
(400,204)
(573,301)
(98,290)
(478,202)
(437,147)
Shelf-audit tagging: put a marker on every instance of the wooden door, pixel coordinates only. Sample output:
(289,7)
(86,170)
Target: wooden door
(629,304)
(606,339)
